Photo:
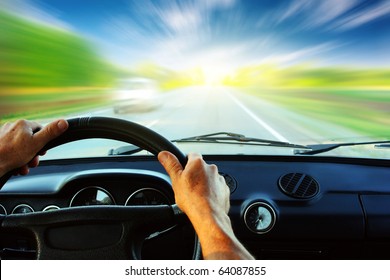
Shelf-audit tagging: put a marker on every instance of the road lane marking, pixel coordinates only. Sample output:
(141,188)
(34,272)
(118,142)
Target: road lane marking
(149,125)
(276,134)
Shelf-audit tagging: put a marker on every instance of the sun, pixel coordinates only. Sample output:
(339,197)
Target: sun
(215,65)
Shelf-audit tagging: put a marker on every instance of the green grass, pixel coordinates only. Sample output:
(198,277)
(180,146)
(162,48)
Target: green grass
(34,55)
(364,111)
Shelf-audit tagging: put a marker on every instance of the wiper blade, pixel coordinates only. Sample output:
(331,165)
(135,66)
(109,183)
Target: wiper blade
(239,139)
(383,146)
(322,148)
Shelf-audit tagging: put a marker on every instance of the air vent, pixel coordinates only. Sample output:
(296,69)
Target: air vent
(298,185)
(230,181)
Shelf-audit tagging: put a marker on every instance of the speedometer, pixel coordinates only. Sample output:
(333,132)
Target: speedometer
(147,196)
(92,196)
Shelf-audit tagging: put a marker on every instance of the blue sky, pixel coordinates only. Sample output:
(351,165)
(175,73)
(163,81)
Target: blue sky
(224,34)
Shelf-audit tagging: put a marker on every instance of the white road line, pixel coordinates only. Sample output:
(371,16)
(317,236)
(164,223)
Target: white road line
(149,125)
(258,120)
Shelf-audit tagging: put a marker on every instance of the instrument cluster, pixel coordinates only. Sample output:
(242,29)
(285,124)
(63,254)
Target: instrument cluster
(95,195)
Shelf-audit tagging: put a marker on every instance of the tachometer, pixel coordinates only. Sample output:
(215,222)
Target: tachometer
(92,196)
(50,208)
(147,196)
(22,209)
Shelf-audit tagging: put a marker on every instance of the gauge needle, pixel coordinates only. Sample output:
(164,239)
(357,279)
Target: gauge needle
(259,222)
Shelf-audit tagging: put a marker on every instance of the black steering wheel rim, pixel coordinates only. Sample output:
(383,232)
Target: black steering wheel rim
(116,129)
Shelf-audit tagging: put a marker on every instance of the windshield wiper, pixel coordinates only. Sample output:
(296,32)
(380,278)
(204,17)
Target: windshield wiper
(239,139)
(322,148)
(219,137)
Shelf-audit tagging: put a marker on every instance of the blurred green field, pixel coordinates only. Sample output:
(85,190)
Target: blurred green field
(54,103)
(358,99)
(47,72)
(366,111)
(35,55)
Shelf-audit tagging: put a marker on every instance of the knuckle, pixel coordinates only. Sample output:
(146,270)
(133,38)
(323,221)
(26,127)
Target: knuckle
(50,131)
(21,123)
(213,168)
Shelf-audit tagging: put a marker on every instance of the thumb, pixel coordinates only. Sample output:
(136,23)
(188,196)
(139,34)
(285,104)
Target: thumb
(171,164)
(50,132)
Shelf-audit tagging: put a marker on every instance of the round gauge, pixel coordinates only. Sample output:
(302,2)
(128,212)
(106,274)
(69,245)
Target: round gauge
(147,196)
(260,217)
(50,208)
(2,210)
(22,209)
(92,196)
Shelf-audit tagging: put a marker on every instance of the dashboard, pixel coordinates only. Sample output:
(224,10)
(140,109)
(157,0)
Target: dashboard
(281,207)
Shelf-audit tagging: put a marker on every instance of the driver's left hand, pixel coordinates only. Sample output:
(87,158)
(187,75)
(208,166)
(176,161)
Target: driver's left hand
(21,141)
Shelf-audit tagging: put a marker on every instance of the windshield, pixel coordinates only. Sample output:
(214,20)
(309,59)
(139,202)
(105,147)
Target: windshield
(302,72)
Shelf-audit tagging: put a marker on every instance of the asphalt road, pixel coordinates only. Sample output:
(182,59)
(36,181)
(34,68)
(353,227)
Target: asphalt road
(201,110)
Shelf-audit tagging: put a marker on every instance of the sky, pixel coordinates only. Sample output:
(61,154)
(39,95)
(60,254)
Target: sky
(222,35)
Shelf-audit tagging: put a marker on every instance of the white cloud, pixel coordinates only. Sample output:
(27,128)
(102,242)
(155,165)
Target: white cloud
(181,17)
(294,8)
(329,10)
(314,13)
(334,14)
(169,30)
(302,55)
(364,16)
(179,20)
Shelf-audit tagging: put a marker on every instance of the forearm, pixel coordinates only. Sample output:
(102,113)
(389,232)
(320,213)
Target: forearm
(218,240)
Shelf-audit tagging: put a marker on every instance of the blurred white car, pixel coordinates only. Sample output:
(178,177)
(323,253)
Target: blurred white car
(136,95)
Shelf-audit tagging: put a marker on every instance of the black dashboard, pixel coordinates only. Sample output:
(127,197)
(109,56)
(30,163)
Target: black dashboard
(281,207)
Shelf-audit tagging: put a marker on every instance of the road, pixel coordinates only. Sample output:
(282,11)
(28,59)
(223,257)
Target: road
(202,110)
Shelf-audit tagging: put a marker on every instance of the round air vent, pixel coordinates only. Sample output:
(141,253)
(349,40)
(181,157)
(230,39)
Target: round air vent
(230,181)
(299,185)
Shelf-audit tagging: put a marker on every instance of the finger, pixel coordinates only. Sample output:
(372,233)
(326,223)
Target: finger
(171,164)
(195,160)
(50,132)
(192,156)
(24,170)
(34,162)
(31,126)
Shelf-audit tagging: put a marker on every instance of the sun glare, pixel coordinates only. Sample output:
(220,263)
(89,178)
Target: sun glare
(216,67)
(214,75)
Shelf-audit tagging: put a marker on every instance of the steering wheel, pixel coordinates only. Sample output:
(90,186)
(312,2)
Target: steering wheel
(124,227)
